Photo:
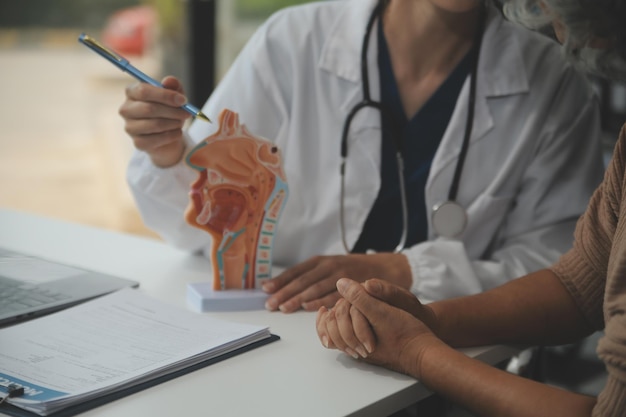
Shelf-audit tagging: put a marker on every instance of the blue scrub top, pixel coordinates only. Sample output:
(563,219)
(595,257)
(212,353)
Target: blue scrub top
(420,137)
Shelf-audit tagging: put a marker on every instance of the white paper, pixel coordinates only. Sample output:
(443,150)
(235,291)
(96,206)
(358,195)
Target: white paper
(107,342)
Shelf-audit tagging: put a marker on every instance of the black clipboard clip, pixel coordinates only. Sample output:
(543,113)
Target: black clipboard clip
(12,391)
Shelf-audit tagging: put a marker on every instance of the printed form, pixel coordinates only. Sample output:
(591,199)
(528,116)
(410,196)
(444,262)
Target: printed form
(107,344)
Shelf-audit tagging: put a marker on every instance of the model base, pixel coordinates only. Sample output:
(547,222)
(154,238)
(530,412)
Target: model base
(202,297)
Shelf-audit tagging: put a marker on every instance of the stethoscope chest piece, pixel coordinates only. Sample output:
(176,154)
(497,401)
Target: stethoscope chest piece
(449,219)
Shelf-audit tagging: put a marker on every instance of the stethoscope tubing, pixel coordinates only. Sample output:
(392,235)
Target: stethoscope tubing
(368,102)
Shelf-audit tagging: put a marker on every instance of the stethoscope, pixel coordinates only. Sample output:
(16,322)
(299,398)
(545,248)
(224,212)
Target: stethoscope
(448,218)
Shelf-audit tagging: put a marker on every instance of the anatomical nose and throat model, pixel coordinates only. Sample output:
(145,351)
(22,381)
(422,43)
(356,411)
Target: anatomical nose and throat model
(238,197)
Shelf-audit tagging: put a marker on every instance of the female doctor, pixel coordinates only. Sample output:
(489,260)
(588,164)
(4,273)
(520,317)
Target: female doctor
(425,142)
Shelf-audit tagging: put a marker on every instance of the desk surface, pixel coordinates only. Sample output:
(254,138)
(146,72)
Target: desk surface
(294,376)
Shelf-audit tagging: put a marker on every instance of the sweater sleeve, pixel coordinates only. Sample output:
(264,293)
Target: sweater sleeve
(612,347)
(594,272)
(583,270)
(612,350)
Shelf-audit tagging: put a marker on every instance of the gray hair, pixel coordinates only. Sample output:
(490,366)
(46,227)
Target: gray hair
(584,21)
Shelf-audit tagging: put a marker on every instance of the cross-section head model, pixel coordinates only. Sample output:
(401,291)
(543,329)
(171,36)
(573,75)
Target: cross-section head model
(238,198)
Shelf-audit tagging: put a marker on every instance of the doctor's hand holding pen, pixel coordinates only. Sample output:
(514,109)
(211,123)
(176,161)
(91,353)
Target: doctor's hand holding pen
(154,120)
(154,112)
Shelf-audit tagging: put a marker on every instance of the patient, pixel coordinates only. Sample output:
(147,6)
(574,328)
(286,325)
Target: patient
(583,292)
(237,198)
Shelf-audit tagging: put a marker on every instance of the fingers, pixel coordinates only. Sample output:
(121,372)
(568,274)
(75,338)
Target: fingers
(323,315)
(343,327)
(172,95)
(154,120)
(402,299)
(342,332)
(393,295)
(160,137)
(327,300)
(140,110)
(149,109)
(287,276)
(356,295)
(300,294)
(310,281)
(363,331)
(172,83)
(334,337)
(140,129)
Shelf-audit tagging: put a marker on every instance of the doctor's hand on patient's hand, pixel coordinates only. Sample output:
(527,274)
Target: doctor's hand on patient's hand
(154,120)
(312,284)
(379,323)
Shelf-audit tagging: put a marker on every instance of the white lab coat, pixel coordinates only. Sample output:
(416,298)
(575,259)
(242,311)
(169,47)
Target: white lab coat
(533,160)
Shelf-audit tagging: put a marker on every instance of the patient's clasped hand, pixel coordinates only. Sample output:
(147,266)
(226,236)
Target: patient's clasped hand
(238,197)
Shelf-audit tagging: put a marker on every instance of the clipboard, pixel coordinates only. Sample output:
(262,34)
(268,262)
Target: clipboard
(73,410)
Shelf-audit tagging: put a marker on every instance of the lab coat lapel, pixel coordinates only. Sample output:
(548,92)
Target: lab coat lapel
(341,54)
(501,72)
(341,57)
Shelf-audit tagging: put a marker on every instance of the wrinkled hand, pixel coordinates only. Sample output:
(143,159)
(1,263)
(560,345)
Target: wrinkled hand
(154,120)
(379,323)
(312,284)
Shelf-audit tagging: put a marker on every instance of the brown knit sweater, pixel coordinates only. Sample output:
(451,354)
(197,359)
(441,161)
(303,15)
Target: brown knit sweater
(594,272)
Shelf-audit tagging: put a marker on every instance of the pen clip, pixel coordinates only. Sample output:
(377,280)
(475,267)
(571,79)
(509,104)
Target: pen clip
(101,49)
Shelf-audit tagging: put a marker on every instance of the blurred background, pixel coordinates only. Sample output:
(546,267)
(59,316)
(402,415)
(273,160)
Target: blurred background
(63,149)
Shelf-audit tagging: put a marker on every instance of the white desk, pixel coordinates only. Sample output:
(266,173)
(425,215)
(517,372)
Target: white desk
(294,376)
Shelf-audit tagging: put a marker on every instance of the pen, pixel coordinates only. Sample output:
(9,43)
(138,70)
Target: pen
(123,64)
